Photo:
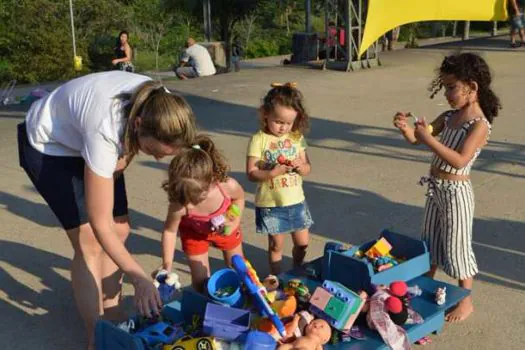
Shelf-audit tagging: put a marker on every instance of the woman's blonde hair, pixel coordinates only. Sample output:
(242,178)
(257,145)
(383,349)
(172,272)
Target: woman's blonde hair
(165,116)
(193,170)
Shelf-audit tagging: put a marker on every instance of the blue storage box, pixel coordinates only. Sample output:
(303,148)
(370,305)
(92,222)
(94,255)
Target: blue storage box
(224,322)
(358,273)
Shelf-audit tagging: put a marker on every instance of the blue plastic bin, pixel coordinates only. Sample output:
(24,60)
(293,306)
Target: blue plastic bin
(222,279)
(358,274)
(224,322)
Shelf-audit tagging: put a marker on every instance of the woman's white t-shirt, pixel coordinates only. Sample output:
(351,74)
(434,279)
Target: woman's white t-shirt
(84,118)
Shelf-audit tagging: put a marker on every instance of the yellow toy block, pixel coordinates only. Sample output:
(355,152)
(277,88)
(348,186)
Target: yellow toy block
(380,248)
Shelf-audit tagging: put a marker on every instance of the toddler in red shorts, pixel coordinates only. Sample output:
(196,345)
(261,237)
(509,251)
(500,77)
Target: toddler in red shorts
(202,198)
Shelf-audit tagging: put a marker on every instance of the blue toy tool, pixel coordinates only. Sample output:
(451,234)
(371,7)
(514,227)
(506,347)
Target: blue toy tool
(167,283)
(257,291)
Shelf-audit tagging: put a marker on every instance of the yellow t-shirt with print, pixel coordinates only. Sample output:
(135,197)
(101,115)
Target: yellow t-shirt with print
(285,189)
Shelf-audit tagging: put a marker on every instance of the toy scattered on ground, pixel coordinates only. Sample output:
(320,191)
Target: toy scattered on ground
(338,305)
(316,334)
(167,284)
(159,333)
(189,343)
(441,296)
(271,283)
(257,290)
(218,223)
(387,313)
(298,289)
(397,310)
(414,291)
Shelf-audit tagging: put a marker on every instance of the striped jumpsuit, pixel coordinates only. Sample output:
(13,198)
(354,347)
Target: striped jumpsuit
(449,209)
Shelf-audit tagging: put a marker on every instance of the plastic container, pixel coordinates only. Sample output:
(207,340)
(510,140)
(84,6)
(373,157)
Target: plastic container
(359,274)
(226,278)
(226,323)
(259,340)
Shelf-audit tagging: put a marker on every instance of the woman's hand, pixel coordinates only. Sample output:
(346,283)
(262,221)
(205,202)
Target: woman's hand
(115,61)
(147,298)
(401,121)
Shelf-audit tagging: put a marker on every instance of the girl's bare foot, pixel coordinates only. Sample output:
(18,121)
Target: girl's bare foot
(462,311)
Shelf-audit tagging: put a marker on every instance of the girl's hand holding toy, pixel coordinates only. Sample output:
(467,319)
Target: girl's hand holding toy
(280,169)
(423,131)
(401,121)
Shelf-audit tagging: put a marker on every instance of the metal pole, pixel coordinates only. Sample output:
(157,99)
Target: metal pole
(494,28)
(72,28)
(308,15)
(207,19)
(466,30)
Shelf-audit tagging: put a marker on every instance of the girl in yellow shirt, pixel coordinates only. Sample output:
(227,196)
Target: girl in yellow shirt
(277,161)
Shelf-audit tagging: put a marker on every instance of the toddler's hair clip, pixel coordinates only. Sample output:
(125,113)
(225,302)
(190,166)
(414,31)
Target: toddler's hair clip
(166,89)
(196,146)
(290,84)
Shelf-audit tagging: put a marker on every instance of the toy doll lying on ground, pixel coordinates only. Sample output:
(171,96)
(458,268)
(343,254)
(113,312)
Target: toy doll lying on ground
(316,333)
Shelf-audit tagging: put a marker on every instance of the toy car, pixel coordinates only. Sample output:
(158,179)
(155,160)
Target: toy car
(160,333)
(189,343)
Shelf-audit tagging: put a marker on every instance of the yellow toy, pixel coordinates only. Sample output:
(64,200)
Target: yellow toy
(380,248)
(189,343)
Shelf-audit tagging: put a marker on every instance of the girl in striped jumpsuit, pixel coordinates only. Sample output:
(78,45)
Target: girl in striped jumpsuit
(464,130)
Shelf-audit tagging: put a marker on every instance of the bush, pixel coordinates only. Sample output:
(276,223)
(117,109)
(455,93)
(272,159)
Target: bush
(101,52)
(261,48)
(5,72)
(145,61)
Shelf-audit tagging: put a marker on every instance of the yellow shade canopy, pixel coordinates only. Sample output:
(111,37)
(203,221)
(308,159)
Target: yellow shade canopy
(384,15)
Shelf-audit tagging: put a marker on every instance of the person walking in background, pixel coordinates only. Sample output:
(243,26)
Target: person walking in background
(515,9)
(237,53)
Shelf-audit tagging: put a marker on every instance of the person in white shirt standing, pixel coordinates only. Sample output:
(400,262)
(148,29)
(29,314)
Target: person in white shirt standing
(199,60)
(74,145)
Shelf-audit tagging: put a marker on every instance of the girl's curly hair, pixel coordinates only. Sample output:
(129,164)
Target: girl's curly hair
(285,95)
(468,68)
(193,170)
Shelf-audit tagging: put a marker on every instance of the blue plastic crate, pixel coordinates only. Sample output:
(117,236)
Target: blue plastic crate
(358,273)
(224,322)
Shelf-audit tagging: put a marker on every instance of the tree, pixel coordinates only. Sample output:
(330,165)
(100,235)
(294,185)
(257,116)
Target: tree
(38,40)
(228,13)
(152,19)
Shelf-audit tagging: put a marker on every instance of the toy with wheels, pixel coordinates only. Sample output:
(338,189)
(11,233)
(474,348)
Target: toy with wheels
(189,343)
(159,333)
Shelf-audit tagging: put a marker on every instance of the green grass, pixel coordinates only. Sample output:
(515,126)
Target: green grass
(145,61)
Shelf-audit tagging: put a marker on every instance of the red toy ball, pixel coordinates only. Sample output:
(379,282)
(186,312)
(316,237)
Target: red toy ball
(393,305)
(399,288)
